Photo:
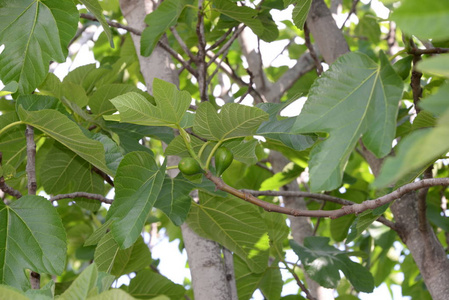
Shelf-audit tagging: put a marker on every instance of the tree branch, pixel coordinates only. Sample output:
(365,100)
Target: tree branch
(6,188)
(98,197)
(181,43)
(322,197)
(35,278)
(112,24)
(333,214)
(417,51)
(201,56)
(319,67)
(9,190)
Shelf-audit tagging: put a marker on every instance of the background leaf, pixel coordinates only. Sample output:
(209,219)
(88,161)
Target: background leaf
(95,8)
(322,263)
(148,284)
(165,16)
(32,237)
(428,21)
(363,102)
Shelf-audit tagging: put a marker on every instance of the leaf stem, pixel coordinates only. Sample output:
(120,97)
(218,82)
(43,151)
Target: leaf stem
(212,154)
(185,136)
(10,125)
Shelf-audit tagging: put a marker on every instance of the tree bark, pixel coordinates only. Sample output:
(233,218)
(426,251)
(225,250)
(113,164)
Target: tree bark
(205,262)
(427,251)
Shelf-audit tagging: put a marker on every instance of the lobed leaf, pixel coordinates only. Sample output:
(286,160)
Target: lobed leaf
(148,284)
(171,106)
(354,98)
(137,185)
(323,262)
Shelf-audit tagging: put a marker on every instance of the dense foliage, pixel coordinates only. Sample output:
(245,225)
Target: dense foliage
(66,144)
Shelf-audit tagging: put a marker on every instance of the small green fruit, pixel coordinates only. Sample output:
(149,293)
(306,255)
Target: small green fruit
(223,159)
(189,166)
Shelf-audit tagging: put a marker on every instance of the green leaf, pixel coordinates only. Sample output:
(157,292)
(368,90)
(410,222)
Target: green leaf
(111,259)
(114,294)
(429,21)
(100,102)
(95,8)
(174,199)
(437,65)
(244,151)
(363,102)
(137,185)
(10,88)
(233,121)
(44,293)
(243,14)
(290,172)
(322,263)
(437,103)
(165,16)
(271,283)
(369,28)
(84,286)
(235,224)
(98,234)
(360,224)
(34,33)
(12,141)
(280,129)
(171,105)
(300,12)
(416,151)
(65,131)
(148,284)
(10,293)
(246,281)
(63,171)
(32,236)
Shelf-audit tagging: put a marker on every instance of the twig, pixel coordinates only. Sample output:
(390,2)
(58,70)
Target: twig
(35,278)
(178,57)
(9,190)
(353,8)
(318,221)
(333,214)
(415,80)
(417,51)
(319,67)
(103,175)
(6,188)
(298,281)
(226,46)
(98,197)
(201,56)
(220,40)
(182,43)
(112,24)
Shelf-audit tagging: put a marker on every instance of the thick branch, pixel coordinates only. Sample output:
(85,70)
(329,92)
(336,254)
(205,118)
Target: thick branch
(316,196)
(333,214)
(417,51)
(98,197)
